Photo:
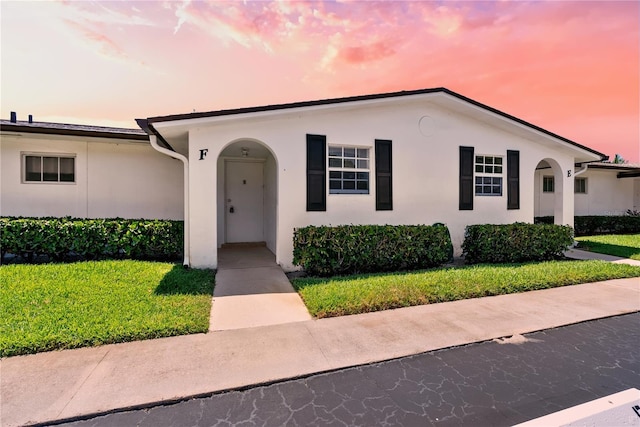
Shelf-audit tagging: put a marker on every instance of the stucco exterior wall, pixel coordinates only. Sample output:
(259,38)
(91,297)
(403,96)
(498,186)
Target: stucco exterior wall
(124,179)
(41,199)
(220,206)
(270,203)
(425,170)
(606,194)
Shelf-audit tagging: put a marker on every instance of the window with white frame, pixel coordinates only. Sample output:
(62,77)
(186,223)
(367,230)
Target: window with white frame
(488,175)
(580,186)
(49,168)
(348,170)
(548,184)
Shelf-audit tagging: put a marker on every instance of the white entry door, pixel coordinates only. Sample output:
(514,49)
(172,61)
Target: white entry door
(244,201)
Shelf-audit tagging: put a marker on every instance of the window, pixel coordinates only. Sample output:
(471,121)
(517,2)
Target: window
(49,168)
(348,170)
(580,186)
(548,184)
(488,176)
(488,186)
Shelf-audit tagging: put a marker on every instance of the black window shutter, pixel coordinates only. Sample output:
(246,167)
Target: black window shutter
(466,179)
(316,173)
(384,183)
(513,179)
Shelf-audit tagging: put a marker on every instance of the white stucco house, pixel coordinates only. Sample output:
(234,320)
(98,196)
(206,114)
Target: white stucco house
(414,157)
(255,174)
(52,169)
(599,189)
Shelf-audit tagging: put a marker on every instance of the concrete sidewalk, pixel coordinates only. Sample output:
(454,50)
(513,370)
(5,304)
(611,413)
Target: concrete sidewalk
(63,384)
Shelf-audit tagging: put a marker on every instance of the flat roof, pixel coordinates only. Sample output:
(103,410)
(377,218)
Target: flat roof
(616,166)
(73,130)
(625,170)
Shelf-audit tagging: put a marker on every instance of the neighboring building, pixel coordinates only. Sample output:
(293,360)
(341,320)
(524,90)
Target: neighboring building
(600,189)
(417,157)
(50,169)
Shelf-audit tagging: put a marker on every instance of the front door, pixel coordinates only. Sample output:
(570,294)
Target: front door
(244,201)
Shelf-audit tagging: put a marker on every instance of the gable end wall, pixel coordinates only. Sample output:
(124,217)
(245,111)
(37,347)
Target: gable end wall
(426,140)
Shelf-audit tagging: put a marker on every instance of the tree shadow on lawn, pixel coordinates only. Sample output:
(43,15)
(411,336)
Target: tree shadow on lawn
(609,249)
(186,281)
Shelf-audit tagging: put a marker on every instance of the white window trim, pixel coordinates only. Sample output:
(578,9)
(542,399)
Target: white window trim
(23,167)
(488,175)
(355,170)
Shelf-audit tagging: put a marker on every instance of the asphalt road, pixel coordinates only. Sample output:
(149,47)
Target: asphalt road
(484,384)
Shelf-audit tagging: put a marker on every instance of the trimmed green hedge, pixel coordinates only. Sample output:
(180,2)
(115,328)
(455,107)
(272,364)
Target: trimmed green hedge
(350,249)
(519,242)
(70,239)
(591,225)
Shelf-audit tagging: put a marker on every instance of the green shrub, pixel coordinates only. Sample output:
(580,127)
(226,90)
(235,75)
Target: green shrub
(591,225)
(519,242)
(65,239)
(349,249)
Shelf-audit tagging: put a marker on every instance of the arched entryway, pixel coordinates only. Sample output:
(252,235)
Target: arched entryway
(247,194)
(548,190)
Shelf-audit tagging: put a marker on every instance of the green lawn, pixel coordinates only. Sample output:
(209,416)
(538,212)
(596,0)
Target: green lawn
(58,306)
(622,245)
(327,297)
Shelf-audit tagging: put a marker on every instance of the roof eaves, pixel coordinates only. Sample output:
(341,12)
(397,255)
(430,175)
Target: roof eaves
(525,123)
(150,130)
(302,104)
(199,115)
(624,170)
(615,166)
(629,174)
(71,130)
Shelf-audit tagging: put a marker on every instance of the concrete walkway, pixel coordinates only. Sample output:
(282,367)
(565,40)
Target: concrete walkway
(586,255)
(63,384)
(252,290)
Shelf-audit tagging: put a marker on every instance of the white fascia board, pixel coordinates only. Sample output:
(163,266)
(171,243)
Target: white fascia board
(284,112)
(69,138)
(441,98)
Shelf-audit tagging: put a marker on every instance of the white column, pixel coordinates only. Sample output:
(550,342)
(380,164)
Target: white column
(203,203)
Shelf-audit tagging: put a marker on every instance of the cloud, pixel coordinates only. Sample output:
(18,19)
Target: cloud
(118,13)
(182,16)
(442,21)
(289,26)
(228,22)
(100,26)
(339,34)
(106,46)
(367,53)
(543,61)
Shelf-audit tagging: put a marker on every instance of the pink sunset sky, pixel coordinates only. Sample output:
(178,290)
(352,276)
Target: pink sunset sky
(569,67)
